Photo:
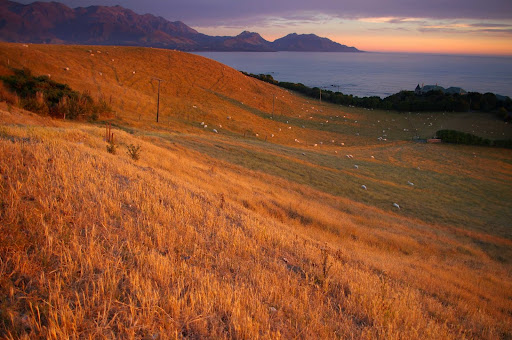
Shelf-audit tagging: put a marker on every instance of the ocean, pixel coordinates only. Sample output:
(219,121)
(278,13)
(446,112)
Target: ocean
(376,74)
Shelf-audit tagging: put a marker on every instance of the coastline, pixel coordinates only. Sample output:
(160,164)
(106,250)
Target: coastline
(376,73)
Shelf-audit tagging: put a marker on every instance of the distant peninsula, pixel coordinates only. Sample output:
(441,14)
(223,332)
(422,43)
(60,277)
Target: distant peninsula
(56,23)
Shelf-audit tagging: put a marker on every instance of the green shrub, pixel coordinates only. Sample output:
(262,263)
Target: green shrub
(458,137)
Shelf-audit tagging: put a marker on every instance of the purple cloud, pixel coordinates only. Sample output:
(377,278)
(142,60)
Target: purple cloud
(222,12)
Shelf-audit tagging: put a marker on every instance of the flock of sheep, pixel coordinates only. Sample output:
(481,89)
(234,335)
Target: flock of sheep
(296,140)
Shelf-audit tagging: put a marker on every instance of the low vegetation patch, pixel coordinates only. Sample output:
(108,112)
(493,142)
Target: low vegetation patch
(133,151)
(42,95)
(458,137)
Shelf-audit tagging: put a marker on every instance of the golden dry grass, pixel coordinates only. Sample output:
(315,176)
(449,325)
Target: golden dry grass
(219,236)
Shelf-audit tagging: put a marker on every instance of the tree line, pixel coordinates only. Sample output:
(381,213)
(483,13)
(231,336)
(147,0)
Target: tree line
(406,101)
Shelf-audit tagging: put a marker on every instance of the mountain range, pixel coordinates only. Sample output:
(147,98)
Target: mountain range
(56,23)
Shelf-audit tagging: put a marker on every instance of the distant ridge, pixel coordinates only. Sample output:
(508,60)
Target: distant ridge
(310,42)
(55,23)
(248,41)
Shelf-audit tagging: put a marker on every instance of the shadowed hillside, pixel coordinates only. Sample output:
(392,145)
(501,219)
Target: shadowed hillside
(261,230)
(56,23)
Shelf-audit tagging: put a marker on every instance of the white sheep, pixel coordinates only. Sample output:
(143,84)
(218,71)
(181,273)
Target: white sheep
(410,183)
(396,205)
(364,187)
(215,130)
(356,166)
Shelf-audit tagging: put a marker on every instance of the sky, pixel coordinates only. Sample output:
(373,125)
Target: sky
(425,26)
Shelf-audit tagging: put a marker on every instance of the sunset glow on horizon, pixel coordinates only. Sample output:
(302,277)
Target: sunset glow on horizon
(389,34)
(475,46)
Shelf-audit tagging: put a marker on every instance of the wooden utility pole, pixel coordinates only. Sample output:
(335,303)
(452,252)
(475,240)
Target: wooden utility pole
(158,98)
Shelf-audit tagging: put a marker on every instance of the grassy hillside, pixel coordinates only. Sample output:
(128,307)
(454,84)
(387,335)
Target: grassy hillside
(241,234)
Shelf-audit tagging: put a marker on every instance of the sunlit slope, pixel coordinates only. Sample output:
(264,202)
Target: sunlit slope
(261,230)
(195,89)
(304,141)
(181,244)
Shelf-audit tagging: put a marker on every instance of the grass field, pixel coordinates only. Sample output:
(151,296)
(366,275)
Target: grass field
(261,230)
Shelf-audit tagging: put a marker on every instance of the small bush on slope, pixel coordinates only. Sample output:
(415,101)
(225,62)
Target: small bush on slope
(44,96)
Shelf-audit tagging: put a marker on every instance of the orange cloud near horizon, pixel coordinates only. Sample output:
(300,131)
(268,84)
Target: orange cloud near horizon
(429,44)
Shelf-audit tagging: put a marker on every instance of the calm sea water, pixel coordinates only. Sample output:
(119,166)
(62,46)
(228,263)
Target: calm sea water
(376,74)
